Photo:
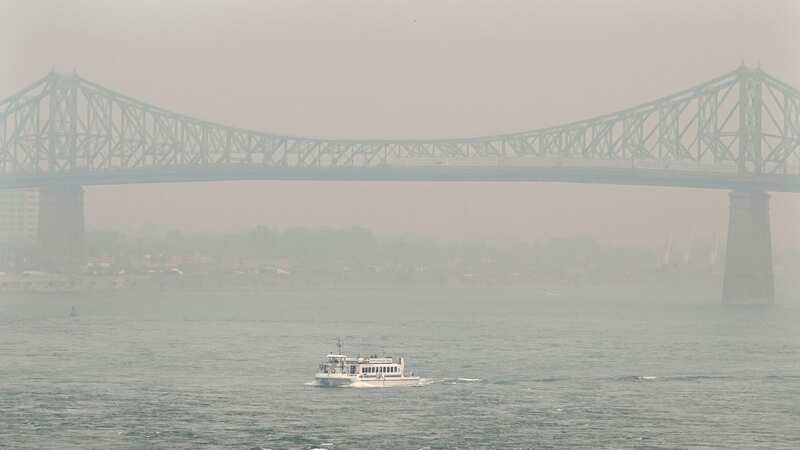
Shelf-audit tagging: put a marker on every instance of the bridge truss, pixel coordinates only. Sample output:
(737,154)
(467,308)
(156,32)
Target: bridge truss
(745,123)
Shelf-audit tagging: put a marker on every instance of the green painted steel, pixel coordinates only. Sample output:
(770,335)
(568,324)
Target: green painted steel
(738,130)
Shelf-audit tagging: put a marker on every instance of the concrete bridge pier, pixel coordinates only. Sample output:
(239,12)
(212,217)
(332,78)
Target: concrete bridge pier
(748,275)
(61,228)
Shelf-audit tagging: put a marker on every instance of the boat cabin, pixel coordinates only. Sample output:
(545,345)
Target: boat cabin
(369,367)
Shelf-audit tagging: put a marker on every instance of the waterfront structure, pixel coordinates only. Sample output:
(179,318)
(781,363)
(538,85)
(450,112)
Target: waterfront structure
(738,132)
(19,211)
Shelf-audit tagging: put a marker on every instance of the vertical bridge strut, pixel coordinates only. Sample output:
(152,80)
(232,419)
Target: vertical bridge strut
(748,275)
(61,228)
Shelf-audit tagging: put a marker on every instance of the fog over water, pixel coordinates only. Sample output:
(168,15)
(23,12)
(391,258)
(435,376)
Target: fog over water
(538,315)
(450,211)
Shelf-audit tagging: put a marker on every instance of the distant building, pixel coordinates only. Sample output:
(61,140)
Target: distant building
(19,215)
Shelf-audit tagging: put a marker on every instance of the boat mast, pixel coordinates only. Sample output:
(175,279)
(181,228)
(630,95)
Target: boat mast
(339,351)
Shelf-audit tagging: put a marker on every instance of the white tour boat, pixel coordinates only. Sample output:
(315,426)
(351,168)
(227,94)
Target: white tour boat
(372,371)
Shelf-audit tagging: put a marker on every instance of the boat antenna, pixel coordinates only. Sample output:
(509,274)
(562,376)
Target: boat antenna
(339,345)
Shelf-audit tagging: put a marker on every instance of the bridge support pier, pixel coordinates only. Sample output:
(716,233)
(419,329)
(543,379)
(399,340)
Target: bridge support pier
(61,227)
(748,275)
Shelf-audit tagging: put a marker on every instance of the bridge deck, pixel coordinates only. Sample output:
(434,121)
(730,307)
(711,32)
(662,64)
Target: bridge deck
(594,175)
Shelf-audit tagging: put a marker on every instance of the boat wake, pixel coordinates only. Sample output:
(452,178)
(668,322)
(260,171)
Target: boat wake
(674,378)
(429,381)
(369,385)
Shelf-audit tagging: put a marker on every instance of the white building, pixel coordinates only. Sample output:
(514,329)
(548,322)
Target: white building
(19,215)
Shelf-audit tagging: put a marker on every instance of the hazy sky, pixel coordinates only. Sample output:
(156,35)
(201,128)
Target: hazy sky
(407,69)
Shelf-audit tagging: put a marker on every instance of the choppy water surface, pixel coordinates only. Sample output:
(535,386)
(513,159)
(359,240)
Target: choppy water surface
(506,369)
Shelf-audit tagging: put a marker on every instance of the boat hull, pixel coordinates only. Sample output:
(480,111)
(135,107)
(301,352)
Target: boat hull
(334,381)
(387,382)
(355,381)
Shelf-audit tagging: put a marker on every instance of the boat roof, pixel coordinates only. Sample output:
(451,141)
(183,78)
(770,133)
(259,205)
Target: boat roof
(362,359)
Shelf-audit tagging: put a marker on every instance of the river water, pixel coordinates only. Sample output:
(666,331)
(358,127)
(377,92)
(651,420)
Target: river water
(601,367)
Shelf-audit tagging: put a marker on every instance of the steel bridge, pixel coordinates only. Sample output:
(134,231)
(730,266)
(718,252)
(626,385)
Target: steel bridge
(739,131)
